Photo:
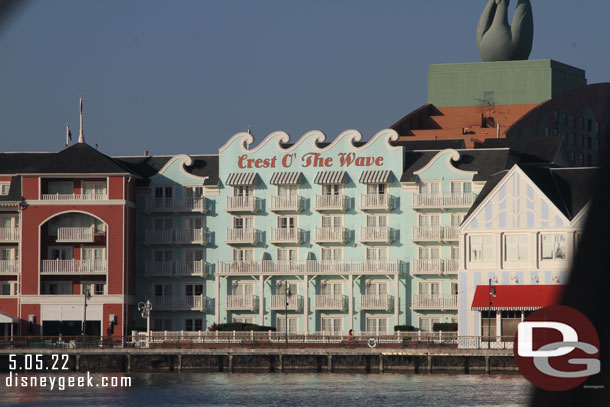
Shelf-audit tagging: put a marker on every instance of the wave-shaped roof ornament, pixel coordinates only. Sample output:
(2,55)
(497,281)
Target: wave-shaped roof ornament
(496,40)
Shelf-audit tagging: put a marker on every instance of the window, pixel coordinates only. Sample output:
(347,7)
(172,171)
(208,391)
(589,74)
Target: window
(160,256)
(455,252)
(377,325)
(191,255)
(281,288)
(163,290)
(161,324)
(331,189)
(9,253)
(553,247)
(481,248)
(192,223)
(454,288)
(287,254)
(163,224)
(61,188)
(376,189)
(163,192)
(94,253)
(243,190)
(457,219)
(430,188)
(331,288)
(332,324)
(330,221)
(93,190)
(429,253)
(288,190)
(193,324)
(516,247)
(56,288)
(193,289)
(379,254)
(429,220)
(373,221)
(461,187)
(4,188)
(94,288)
(9,222)
(243,289)
(60,253)
(8,288)
(280,324)
(286,222)
(193,192)
(243,319)
(426,324)
(242,222)
(376,288)
(429,288)
(243,254)
(332,253)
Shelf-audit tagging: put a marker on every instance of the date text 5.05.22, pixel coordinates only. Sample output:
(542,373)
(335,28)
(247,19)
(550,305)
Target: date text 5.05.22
(38,362)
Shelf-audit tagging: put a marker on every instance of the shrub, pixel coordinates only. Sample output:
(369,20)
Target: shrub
(241,326)
(404,328)
(445,326)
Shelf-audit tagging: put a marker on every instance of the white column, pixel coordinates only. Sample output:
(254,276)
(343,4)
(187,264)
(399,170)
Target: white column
(396,302)
(261,300)
(498,323)
(351,301)
(217,301)
(306,304)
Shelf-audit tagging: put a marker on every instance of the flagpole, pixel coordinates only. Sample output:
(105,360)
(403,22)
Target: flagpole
(81,136)
(68,134)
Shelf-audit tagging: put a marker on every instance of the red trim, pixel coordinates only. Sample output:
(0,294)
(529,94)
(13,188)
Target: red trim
(511,297)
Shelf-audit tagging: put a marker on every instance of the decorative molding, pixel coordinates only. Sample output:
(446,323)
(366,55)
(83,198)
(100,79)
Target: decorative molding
(451,155)
(186,161)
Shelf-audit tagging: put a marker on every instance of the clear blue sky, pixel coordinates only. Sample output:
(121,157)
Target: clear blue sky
(184,76)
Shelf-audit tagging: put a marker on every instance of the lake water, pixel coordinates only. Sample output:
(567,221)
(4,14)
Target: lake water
(287,390)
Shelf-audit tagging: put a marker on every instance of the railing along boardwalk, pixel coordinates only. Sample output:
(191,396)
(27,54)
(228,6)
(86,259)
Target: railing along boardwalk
(434,301)
(292,203)
(9,234)
(171,303)
(464,200)
(331,202)
(310,267)
(9,266)
(175,268)
(74,197)
(241,204)
(73,266)
(375,202)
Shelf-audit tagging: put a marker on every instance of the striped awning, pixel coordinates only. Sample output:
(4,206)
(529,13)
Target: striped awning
(286,178)
(330,177)
(241,178)
(375,177)
(516,297)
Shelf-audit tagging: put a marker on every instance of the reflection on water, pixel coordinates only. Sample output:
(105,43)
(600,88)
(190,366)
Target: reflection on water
(276,389)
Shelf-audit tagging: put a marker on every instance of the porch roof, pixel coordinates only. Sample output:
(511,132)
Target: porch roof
(516,297)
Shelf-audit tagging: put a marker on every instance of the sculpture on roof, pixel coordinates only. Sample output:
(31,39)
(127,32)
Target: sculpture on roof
(496,40)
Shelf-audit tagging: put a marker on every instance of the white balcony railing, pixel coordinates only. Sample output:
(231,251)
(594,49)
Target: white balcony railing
(176,204)
(427,266)
(278,302)
(175,268)
(165,236)
(74,197)
(9,267)
(330,235)
(159,204)
(382,302)
(310,267)
(242,236)
(242,302)
(443,200)
(440,302)
(336,302)
(427,233)
(190,236)
(375,202)
(331,202)
(292,203)
(451,266)
(183,303)
(241,204)
(451,233)
(72,266)
(378,234)
(76,234)
(286,235)
(9,234)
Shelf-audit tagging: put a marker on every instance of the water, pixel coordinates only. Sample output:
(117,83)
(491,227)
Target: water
(286,390)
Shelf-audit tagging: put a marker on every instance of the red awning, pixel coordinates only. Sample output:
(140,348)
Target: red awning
(516,297)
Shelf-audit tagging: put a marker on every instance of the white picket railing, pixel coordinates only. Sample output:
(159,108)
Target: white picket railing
(174,268)
(291,203)
(164,236)
(9,266)
(176,204)
(331,202)
(76,234)
(242,236)
(434,301)
(451,266)
(381,234)
(330,235)
(286,235)
(376,302)
(73,266)
(278,302)
(310,267)
(374,202)
(9,234)
(330,302)
(427,266)
(427,233)
(464,200)
(241,204)
(242,302)
(190,236)
(451,233)
(183,303)
(74,197)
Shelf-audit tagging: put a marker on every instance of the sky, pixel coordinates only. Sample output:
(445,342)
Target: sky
(184,76)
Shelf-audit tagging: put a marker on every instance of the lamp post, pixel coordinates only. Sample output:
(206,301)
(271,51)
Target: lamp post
(145,308)
(492,293)
(286,311)
(87,295)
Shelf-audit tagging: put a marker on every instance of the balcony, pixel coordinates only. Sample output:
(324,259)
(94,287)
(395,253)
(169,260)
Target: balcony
(375,202)
(278,302)
(451,266)
(286,235)
(435,266)
(331,203)
(76,234)
(9,235)
(446,201)
(9,267)
(375,234)
(435,302)
(175,268)
(184,303)
(330,235)
(190,236)
(451,233)
(382,302)
(286,203)
(165,236)
(427,233)
(175,204)
(313,267)
(336,302)
(242,302)
(73,266)
(241,204)
(74,197)
(242,236)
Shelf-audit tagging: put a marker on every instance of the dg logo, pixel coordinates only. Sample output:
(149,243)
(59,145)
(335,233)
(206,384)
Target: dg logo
(557,348)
